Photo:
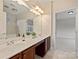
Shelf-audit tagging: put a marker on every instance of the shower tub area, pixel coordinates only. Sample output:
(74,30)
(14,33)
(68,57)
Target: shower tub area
(65,33)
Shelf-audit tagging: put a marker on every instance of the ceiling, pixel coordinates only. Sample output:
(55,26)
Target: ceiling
(14,7)
(45,5)
(65,14)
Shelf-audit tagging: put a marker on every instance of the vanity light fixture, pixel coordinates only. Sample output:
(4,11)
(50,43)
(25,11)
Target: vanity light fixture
(35,12)
(39,9)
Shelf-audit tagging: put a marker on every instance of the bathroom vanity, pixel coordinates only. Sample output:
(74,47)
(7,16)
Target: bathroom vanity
(39,48)
(27,49)
(26,54)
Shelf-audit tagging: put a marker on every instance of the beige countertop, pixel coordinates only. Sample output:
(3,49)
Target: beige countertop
(11,50)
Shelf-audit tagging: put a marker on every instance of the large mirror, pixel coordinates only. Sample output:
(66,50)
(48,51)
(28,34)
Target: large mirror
(21,19)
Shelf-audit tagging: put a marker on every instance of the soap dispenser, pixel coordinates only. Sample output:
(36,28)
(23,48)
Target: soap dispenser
(23,35)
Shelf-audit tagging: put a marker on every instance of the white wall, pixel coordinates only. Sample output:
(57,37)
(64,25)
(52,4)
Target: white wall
(61,5)
(38,25)
(43,24)
(46,24)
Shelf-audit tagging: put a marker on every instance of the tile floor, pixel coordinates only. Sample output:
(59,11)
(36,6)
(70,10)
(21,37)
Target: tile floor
(58,55)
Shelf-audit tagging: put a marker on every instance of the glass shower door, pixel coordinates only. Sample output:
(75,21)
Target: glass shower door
(65,31)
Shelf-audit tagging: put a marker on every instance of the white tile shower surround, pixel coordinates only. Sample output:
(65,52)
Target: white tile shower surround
(58,55)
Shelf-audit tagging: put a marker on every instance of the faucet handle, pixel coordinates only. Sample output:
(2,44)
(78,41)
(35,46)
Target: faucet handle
(23,35)
(12,42)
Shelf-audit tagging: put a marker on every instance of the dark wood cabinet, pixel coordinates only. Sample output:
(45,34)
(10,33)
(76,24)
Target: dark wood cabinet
(26,54)
(18,56)
(29,53)
(42,49)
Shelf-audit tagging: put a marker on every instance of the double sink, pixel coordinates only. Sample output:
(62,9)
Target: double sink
(16,41)
(12,41)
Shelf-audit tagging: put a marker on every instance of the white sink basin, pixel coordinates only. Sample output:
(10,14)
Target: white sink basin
(15,41)
(3,46)
(8,42)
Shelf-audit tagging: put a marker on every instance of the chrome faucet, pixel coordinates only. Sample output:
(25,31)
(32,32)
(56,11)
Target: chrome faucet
(11,42)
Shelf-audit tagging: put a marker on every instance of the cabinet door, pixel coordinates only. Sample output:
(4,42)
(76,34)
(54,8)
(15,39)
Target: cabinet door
(29,53)
(48,43)
(18,56)
(41,49)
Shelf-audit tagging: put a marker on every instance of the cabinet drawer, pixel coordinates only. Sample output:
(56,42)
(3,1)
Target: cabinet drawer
(29,53)
(18,56)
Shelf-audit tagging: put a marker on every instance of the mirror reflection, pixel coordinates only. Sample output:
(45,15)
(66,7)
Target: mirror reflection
(21,18)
